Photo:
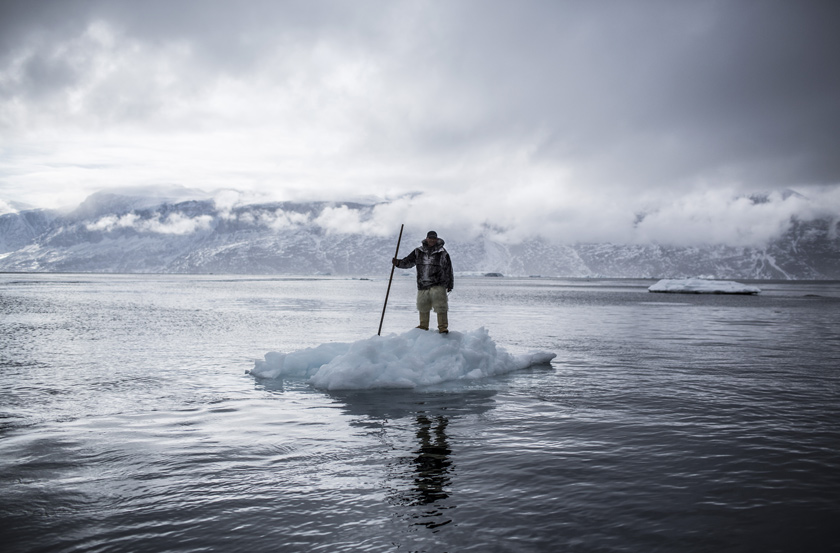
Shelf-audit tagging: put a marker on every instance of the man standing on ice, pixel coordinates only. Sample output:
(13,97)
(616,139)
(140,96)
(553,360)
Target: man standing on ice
(434,280)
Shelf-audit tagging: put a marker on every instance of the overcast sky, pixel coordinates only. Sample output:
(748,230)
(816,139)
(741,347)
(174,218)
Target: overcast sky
(590,120)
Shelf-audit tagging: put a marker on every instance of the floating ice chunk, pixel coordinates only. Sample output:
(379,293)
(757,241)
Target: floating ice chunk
(298,363)
(414,358)
(702,286)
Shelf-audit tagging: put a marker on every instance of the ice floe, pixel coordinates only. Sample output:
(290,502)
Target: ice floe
(409,360)
(702,286)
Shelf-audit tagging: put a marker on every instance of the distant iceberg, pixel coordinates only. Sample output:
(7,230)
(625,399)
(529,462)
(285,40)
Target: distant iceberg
(409,360)
(702,286)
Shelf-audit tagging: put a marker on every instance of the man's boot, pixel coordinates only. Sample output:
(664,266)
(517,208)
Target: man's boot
(443,322)
(424,320)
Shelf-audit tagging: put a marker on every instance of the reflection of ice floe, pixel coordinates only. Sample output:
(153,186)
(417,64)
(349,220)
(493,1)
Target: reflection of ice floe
(372,407)
(414,358)
(702,286)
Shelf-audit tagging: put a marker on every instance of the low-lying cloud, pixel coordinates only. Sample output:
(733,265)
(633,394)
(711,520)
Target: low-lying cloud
(711,217)
(173,223)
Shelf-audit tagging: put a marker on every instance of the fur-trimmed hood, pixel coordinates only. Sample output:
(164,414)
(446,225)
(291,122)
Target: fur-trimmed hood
(432,248)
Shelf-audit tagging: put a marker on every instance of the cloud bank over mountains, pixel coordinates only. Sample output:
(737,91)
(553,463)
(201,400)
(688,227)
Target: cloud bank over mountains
(702,219)
(118,233)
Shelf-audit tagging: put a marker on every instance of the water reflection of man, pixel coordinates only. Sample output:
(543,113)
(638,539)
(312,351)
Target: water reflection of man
(419,478)
(432,463)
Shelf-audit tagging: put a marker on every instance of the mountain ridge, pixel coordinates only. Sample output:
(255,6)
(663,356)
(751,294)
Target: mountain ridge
(112,233)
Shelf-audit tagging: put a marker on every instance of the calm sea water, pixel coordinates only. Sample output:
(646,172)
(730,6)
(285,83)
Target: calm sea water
(666,422)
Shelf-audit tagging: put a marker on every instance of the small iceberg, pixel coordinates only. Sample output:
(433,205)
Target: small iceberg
(413,359)
(702,286)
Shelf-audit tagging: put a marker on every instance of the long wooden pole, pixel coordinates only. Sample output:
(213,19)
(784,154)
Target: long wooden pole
(396,253)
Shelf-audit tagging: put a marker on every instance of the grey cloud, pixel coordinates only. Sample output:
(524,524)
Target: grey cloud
(653,92)
(47,53)
(226,35)
(39,76)
(633,100)
(727,79)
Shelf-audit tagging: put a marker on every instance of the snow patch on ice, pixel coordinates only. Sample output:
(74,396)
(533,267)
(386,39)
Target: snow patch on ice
(702,286)
(409,360)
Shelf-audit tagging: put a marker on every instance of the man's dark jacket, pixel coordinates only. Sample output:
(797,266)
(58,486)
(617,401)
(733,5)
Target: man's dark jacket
(434,268)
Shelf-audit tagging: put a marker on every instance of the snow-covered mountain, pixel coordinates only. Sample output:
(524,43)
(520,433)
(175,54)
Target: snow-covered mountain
(125,233)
